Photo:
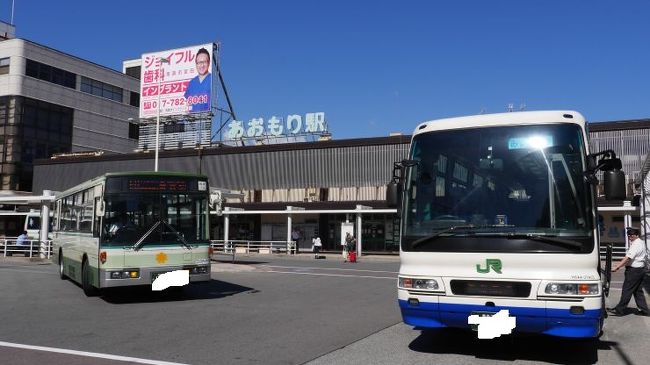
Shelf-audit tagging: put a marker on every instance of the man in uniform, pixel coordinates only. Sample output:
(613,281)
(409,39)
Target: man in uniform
(634,263)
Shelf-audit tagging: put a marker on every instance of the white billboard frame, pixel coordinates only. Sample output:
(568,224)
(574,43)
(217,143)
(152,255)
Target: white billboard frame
(175,72)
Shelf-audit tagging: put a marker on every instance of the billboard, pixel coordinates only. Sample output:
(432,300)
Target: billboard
(177,82)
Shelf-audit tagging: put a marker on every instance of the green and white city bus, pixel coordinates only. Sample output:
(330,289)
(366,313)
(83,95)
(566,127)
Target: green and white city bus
(123,229)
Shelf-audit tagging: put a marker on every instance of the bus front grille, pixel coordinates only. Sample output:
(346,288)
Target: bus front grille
(491,288)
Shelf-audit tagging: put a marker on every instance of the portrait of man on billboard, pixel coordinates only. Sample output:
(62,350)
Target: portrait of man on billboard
(199,89)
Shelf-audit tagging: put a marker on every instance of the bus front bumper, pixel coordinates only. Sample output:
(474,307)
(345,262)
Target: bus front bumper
(532,316)
(145,276)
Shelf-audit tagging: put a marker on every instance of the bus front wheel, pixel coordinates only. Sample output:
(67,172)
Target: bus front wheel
(61,273)
(86,285)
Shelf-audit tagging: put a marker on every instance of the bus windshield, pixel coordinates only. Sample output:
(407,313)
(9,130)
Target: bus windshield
(499,189)
(152,218)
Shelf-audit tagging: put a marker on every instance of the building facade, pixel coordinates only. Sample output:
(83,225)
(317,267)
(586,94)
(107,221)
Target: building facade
(328,178)
(52,102)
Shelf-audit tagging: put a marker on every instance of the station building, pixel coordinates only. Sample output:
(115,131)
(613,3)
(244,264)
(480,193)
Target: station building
(325,183)
(52,102)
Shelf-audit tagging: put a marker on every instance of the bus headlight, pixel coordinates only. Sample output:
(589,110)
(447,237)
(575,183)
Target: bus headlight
(572,289)
(419,283)
(130,274)
(198,270)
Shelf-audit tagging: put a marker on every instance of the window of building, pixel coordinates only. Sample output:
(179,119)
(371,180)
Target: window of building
(133,72)
(257,196)
(135,99)
(101,89)
(51,74)
(44,129)
(4,66)
(134,131)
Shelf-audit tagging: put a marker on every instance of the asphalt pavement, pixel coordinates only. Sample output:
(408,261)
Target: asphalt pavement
(267,309)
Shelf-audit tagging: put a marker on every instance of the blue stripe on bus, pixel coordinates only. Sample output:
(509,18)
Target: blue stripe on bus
(555,322)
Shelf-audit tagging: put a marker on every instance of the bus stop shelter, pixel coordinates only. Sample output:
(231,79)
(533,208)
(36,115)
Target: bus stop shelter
(44,201)
(291,211)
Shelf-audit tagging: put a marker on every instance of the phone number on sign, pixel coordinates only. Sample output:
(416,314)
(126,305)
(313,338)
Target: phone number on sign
(172,102)
(197,99)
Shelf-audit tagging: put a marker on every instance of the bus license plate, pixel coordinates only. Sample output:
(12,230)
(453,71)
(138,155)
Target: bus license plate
(474,327)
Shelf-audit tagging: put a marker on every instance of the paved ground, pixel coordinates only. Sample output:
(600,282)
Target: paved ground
(266,309)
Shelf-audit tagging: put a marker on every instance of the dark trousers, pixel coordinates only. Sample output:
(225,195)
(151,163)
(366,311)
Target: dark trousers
(633,286)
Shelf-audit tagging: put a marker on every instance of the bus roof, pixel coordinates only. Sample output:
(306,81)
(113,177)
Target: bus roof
(94,181)
(502,119)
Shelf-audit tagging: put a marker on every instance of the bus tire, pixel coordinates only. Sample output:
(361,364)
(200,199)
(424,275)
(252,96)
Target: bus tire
(61,273)
(86,285)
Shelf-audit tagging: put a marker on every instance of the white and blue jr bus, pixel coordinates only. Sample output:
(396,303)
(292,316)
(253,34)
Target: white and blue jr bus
(498,212)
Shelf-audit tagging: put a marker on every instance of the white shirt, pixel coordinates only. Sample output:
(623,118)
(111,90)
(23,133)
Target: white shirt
(636,253)
(316,241)
(22,240)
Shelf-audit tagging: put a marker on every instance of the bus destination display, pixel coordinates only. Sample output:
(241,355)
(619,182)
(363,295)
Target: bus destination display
(157,185)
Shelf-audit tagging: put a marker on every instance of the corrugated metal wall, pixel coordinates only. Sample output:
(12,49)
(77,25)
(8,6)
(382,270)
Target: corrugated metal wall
(327,167)
(631,146)
(346,167)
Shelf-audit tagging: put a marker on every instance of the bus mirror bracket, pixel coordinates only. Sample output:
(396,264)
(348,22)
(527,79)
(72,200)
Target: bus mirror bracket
(216,202)
(100,207)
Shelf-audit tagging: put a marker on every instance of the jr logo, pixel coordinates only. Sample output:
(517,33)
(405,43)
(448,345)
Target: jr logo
(494,264)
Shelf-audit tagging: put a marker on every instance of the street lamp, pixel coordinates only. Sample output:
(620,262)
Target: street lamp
(158,120)
(161,60)
(199,149)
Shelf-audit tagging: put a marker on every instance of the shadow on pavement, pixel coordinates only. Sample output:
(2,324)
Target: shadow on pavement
(240,261)
(214,289)
(549,349)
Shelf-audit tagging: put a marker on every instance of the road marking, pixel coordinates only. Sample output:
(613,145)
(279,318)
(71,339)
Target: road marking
(88,354)
(336,275)
(328,268)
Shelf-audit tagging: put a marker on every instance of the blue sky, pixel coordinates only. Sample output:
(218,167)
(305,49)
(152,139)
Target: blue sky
(376,67)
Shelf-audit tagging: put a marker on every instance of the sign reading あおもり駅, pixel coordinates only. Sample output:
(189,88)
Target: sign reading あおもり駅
(293,125)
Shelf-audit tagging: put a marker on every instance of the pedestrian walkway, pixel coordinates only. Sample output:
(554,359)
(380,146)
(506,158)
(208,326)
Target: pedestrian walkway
(305,256)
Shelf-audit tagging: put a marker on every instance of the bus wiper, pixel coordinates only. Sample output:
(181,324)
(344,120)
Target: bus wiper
(433,236)
(547,239)
(180,236)
(138,244)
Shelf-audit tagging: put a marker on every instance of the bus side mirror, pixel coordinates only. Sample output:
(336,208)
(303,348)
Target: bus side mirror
(614,184)
(611,166)
(393,194)
(100,207)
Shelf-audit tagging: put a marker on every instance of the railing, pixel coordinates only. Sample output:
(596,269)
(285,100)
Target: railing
(29,248)
(231,247)
(618,251)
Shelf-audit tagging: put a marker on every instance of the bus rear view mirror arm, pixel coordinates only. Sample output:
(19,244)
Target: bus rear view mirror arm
(394,187)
